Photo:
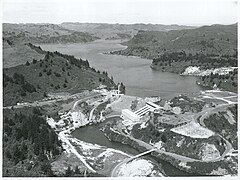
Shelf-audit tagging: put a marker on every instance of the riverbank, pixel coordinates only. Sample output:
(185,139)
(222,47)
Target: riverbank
(194,168)
(196,71)
(93,158)
(224,78)
(90,157)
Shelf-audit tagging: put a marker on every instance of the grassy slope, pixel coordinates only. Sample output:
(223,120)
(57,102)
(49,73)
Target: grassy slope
(43,33)
(16,55)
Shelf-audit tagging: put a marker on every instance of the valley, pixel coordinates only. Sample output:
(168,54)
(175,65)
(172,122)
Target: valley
(89,107)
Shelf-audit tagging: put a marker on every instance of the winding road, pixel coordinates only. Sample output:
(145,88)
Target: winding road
(203,114)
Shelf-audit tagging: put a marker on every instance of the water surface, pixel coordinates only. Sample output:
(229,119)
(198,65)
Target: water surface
(134,72)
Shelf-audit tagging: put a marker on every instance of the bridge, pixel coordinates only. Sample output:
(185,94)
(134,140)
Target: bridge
(139,155)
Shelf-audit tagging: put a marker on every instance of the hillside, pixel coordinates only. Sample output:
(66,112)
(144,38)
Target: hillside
(215,39)
(19,54)
(42,33)
(118,31)
(205,48)
(54,73)
(29,143)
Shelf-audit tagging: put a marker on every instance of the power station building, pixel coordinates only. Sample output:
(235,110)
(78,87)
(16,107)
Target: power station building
(129,115)
(136,116)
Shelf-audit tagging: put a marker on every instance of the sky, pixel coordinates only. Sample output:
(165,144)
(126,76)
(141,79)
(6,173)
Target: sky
(182,12)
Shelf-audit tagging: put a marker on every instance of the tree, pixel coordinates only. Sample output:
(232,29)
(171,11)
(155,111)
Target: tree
(234,84)
(27,87)
(46,168)
(49,72)
(68,172)
(23,93)
(77,171)
(122,88)
(8,154)
(27,63)
(17,154)
(57,74)
(86,63)
(163,138)
(34,61)
(40,74)
(37,111)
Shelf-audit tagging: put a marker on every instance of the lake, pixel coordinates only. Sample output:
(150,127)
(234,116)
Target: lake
(134,72)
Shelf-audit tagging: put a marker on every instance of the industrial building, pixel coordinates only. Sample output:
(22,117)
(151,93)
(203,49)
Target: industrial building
(129,115)
(137,115)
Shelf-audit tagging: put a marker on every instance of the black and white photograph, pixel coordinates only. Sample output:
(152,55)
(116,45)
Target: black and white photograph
(119,88)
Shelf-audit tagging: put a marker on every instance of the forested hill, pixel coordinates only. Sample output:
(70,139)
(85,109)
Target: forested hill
(42,33)
(55,72)
(214,39)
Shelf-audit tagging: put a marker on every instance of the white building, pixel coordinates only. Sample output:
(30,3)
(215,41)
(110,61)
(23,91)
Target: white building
(129,115)
(136,116)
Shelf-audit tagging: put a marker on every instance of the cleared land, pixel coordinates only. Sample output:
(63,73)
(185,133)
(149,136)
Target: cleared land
(193,130)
